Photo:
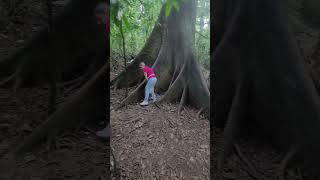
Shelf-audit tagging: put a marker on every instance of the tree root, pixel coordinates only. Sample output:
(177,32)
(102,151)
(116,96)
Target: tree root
(178,89)
(156,104)
(8,80)
(199,112)
(114,85)
(285,161)
(74,111)
(115,164)
(232,129)
(183,99)
(72,82)
(17,81)
(70,135)
(169,95)
(74,87)
(175,75)
(251,169)
(78,82)
(173,92)
(170,123)
(132,96)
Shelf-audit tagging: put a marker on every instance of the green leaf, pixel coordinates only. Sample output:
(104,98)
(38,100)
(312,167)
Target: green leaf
(127,2)
(168,8)
(176,5)
(127,23)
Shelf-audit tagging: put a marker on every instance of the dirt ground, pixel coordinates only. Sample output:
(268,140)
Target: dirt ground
(81,154)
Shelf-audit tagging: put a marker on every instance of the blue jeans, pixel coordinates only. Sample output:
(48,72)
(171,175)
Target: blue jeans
(150,89)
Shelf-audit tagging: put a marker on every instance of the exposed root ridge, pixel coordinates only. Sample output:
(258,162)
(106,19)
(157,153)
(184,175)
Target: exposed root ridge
(232,127)
(174,91)
(132,96)
(284,163)
(200,111)
(73,81)
(174,76)
(73,112)
(183,98)
(8,80)
(75,86)
(251,169)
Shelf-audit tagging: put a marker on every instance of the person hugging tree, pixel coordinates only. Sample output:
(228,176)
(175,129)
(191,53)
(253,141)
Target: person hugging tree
(151,82)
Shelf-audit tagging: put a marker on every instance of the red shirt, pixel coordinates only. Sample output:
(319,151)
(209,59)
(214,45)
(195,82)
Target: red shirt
(149,71)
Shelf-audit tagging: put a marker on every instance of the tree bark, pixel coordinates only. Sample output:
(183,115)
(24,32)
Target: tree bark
(255,51)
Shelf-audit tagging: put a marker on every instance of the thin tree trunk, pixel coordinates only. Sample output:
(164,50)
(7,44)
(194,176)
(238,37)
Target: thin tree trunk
(124,58)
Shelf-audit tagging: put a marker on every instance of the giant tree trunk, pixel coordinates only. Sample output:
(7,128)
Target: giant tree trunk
(260,81)
(170,51)
(76,35)
(73,45)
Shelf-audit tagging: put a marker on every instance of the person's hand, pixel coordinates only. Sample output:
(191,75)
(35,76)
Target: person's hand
(145,75)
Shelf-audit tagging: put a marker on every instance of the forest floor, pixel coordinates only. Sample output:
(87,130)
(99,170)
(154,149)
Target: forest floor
(153,142)
(81,154)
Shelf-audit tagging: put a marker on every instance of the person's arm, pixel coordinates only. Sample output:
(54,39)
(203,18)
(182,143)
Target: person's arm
(145,75)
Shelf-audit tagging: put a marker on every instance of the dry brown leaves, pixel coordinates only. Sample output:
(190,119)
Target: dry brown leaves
(153,143)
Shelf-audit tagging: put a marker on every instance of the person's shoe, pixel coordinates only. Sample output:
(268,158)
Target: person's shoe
(144,103)
(104,133)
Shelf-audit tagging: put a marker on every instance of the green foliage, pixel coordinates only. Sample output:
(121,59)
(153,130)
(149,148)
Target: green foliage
(138,20)
(202,36)
(169,5)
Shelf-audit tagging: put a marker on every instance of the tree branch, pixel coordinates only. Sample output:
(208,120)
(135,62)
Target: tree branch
(202,35)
